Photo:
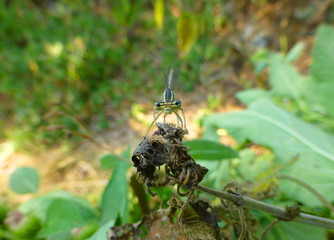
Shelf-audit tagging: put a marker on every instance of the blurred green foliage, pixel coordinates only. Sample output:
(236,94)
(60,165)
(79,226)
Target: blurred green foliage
(89,60)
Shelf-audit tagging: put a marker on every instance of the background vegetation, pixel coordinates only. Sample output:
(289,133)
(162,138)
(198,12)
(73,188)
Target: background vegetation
(72,71)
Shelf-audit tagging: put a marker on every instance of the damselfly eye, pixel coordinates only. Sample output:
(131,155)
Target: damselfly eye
(158,106)
(177,102)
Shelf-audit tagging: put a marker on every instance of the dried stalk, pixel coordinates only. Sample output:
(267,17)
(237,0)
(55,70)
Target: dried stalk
(278,212)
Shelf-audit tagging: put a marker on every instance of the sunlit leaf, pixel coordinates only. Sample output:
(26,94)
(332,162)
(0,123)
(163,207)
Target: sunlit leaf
(210,150)
(24,180)
(159,13)
(268,125)
(187,32)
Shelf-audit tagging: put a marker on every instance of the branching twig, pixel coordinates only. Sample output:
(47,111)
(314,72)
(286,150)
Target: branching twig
(273,210)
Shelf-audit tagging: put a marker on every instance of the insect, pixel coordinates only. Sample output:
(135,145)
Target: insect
(169,103)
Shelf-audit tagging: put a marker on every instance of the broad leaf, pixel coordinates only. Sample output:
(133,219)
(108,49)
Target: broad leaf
(24,180)
(39,206)
(114,199)
(290,230)
(63,215)
(210,150)
(268,125)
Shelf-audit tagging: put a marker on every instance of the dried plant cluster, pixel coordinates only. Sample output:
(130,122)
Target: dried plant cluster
(165,149)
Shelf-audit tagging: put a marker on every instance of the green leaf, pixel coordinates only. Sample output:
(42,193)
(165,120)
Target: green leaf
(293,231)
(210,150)
(270,126)
(260,66)
(251,95)
(322,54)
(61,212)
(109,161)
(284,78)
(319,87)
(318,94)
(295,52)
(290,230)
(24,180)
(39,206)
(64,215)
(260,60)
(114,199)
(102,231)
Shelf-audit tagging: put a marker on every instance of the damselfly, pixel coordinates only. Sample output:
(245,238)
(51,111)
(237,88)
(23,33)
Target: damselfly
(169,103)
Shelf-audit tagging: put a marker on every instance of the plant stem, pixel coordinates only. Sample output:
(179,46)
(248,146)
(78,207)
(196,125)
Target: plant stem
(278,212)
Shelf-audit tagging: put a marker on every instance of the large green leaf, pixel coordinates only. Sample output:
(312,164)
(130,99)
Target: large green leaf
(39,206)
(268,125)
(24,180)
(60,212)
(63,215)
(114,199)
(293,231)
(210,150)
(290,230)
